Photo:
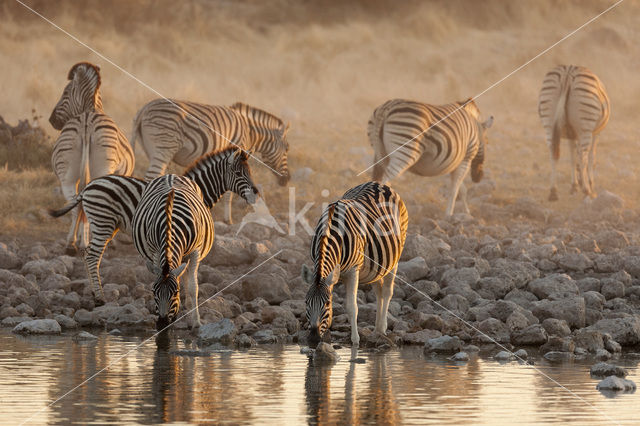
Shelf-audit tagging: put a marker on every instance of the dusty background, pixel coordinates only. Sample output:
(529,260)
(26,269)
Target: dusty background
(324,66)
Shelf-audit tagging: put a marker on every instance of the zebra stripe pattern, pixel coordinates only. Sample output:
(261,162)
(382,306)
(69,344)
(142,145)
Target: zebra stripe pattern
(358,238)
(89,145)
(181,131)
(109,202)
(573,104)
(173,231)
(429,140)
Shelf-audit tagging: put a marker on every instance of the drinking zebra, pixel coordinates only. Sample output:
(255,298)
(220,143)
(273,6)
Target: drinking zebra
(573,104)
(173,231)
(109,202)
(429,140)
(358,239)
(182,131)
(89,145)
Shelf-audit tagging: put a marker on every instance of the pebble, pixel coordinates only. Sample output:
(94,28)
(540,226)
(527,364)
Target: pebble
(460,356)
(503,356)
(615,383)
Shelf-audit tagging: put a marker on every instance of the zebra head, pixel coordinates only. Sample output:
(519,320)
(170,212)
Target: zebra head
(166,292)
(318,302)
(477,164)
(238,176)
(79,95)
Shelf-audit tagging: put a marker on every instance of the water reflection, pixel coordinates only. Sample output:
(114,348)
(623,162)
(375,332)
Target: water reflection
(174,381)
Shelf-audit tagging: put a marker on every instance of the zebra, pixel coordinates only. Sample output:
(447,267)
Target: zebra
(573,104)
(109,202)
(182,131)
(173,231)
(429,140)
(90,144)
(358,239)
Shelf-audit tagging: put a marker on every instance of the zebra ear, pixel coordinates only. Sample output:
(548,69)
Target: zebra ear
(179,270)
(488,123)
(286,129)
(232,158)
(333,277)
(307,274)
(153,268)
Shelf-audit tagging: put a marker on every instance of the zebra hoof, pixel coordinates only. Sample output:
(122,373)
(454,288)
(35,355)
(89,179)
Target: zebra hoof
(553,195)
(98,302)
(70,251)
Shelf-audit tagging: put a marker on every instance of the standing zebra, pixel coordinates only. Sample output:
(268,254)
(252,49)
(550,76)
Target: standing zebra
(359,238)
(573,104)
(429,140)
(180,131)
(109,202)
(173,231)
(90,144)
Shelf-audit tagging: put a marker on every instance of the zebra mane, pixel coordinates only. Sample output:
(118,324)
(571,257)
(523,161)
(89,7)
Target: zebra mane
(216,156)
(323,240)
(95,68)
(168,209)
(249,112)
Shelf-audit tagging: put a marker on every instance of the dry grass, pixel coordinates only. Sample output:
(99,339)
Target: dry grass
(325,66)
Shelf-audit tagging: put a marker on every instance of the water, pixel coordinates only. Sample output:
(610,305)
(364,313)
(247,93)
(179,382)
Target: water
(277,384)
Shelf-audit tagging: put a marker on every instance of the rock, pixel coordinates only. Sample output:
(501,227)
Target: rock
(325,354)
(413,269)
(65,322)
(625,331)
(443,344)
(521,298)
(602,355)
(13,321)
(39,326)
(460,357)
(575,262)
(455,303)
(594,300)
(588,284)
(614,383)
(556,284)
(422,290)
(83,335)
(230,251)
(559,344)
(417,245)
(228,308)
(556,327)
(533,335)
(556,356)
(43,268)
(602,369)
(468,276)
(83,317)
(222,331)
(517,321)
(265,336)
(518,272)
(8,259)
(572,310)
(462,289)
(420,337)
(115,332)
(280,317)
(610,344)
(610,239)
(503,356)
(521,354)
(493,288)
(272,288)
(612,289)
(606,201)
(591,340)
(244,341)
(493,330)
(126,316)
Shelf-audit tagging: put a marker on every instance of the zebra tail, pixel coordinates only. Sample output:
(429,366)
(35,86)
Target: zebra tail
(375,135)
(67,208)
(560,120)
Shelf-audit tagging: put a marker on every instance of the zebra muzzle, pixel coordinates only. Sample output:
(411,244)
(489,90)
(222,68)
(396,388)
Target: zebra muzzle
(283,179)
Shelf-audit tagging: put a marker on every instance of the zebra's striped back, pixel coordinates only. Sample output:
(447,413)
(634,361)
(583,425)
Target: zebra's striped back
(170,223)
(573,101)
(80,95)
(364,230)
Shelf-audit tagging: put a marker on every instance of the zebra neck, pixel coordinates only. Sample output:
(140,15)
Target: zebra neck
(211,183)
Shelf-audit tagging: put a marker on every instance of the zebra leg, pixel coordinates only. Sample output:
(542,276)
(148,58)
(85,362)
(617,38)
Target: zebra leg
(377,286)
(227,208)
(575,170)
(457,177)
(350,280)
(387,293)
(93,257)
(463,197)
(192,291)
(584,150)
(69,191)
(592,166)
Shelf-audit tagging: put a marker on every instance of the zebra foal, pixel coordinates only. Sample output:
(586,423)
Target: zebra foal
(109,202)
(359,240)
(90,144)
(429,140)
(573,104)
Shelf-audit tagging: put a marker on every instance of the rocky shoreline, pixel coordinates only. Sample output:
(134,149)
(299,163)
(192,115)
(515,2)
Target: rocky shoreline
(568,286)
